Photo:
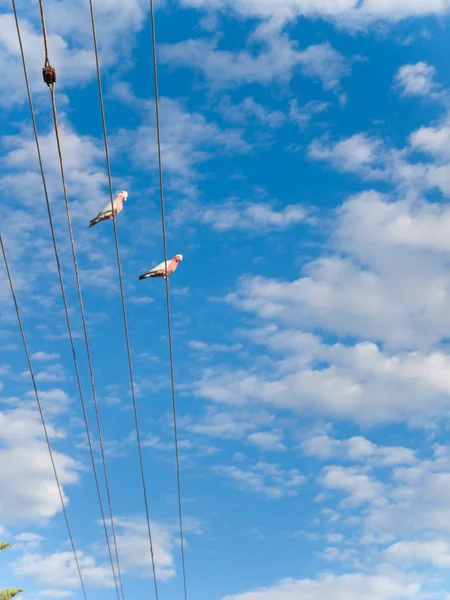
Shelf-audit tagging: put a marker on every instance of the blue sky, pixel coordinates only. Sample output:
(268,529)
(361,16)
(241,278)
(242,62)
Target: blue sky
(306,150)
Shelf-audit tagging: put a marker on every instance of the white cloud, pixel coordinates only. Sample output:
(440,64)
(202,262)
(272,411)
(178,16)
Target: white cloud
(54,594)
(76,63)
(188,140)
(357,448)
(132,539)
(417,79)
(415,501)
(249,109)
(392,285)
(265,478)
(344,13)
(83,155)
(323,62)
(230,424)
(70,43)
(53,401)
(373,386)
(251,216)
(26,228)
(358,153)
(141,300)
(31,494)
(434,140)
(59,569)
(434,552)
(405,517)
(373,159)
(54,372)
(278,61)
(303,115)
(27,541)
(358,485)
(267,440)
(213,348)
(44,356)
(389,586)
(28,221)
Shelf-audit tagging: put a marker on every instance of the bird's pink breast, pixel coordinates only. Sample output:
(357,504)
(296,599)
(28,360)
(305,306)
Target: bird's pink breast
(172,266)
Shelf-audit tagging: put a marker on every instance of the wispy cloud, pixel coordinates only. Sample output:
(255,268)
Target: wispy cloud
(265,478)
(276,62)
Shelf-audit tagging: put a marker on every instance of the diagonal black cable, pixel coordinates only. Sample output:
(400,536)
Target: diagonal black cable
(86,339)
(42,416)
(63,294)
(169,329)
(130,366)
(80,300)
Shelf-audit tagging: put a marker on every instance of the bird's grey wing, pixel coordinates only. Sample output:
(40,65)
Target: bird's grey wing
(106,211)
(160,267)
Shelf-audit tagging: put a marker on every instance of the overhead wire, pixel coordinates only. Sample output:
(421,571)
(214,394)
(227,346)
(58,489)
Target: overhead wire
(60,277)
(169,328)
(51,87)
(41,412)
(119,268)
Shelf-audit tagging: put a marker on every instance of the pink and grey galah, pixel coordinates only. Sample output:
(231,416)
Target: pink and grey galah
(107,213)
(160,270)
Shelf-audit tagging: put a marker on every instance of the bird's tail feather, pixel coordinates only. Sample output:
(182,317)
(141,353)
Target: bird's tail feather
(99,219)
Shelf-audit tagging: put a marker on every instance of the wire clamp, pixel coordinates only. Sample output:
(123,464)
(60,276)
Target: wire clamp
(49,75)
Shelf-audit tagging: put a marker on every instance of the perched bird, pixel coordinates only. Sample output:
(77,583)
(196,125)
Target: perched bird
(107,213)
(160,270)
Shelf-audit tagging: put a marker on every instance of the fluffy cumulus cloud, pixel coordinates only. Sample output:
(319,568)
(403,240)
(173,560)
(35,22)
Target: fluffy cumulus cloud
(390,586)
(357,448)
(416,79)
(373,159)
(372,387)
(31,494)
(384,286)
(401,517)
(59,569)
(132,537)
(391,287)
(267,440)
(361,294)
(433,140)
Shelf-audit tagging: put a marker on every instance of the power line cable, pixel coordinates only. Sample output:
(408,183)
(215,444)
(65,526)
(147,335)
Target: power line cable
(42,416)
(51,87)
(55,248)
(130,366)
(169,329)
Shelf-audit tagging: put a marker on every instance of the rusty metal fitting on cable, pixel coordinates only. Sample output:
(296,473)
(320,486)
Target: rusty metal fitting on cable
(49,75)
